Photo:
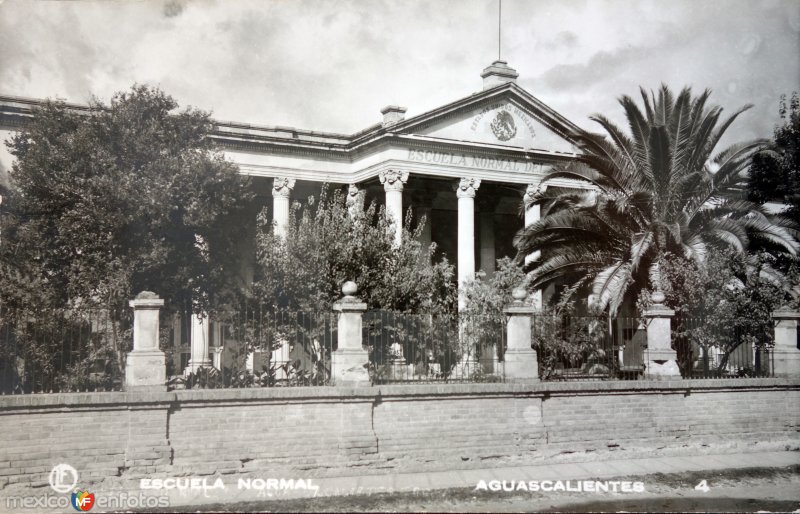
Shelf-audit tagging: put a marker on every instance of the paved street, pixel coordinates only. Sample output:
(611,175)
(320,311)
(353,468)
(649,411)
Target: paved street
(740,482)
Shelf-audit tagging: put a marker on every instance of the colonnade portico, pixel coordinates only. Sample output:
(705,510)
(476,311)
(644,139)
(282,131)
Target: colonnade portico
(487,146)
(393,182)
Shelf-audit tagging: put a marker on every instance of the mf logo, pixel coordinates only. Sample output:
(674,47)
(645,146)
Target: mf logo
(82,500)
(63,478)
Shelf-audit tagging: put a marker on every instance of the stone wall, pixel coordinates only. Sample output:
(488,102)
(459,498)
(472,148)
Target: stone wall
(337,431)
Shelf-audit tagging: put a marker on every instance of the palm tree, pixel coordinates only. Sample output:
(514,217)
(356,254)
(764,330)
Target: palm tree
(654,191)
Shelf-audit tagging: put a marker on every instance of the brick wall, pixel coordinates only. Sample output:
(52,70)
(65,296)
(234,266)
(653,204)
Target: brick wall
(343,431)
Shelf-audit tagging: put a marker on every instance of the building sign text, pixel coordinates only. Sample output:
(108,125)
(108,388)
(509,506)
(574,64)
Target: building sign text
(473,161)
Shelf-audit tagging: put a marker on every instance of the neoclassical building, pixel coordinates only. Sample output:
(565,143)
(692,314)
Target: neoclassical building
(466,166)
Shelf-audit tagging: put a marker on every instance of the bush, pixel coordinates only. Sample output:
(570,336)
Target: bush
(326,247)
(723,306)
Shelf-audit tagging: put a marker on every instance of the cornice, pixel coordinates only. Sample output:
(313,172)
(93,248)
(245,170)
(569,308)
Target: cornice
(416,169)
(15,113)
(276,145)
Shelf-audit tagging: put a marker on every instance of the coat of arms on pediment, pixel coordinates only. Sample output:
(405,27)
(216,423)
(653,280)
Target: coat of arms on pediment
(503,126)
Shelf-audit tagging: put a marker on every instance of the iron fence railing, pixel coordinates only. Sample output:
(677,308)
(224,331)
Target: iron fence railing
(588,347)
(257,346)
(61,350)
(70,350)
(417,348)
(708,350)
(601,348)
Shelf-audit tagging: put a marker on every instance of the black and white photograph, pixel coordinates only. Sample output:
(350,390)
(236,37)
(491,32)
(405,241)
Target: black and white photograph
(399,256)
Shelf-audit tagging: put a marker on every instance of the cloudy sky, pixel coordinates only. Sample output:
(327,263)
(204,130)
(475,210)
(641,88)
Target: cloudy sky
(330,65)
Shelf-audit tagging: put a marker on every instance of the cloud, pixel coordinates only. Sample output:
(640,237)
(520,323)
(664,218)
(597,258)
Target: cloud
(330,65)
(744,51)
(563,39)
(599,67)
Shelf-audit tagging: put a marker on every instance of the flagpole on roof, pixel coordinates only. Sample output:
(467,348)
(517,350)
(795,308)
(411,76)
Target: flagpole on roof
(499,25)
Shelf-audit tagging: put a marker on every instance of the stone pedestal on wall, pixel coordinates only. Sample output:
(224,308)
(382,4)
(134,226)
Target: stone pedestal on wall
(521,361)
(145,366)
(349,361)
(786,353)
(661,361)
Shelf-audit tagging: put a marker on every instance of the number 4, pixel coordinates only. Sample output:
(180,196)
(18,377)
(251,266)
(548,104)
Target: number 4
(702,486)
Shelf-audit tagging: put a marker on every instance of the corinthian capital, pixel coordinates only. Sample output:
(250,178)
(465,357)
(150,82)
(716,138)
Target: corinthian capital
(393,180)
(355,198)
(282,187)
(534,194)
(467,187)
(352,194)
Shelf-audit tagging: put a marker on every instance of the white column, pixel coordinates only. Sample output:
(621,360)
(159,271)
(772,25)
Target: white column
(281,192)
(199,342)
(467,187)
(281,196)
(393,181)
(533,213)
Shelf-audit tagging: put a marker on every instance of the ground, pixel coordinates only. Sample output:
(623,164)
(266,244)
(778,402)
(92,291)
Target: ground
(744,490)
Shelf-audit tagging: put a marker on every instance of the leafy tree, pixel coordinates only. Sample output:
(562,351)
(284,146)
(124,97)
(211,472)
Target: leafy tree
(326,246)
(563,338)
(658,189)
(122,198)
(723,305)
(491,295)
(775,171)
(116,199)
(485,298)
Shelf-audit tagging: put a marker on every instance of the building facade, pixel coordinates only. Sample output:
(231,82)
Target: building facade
(467,167)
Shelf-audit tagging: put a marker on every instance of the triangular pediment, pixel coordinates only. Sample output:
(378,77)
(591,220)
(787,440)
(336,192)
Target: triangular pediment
(506,116)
